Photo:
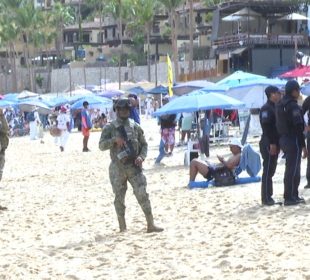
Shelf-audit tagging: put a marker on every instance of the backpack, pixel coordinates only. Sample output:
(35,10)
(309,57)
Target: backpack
(30,117)
(223,177)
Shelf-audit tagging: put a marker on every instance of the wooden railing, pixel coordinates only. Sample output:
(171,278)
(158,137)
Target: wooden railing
(260,39)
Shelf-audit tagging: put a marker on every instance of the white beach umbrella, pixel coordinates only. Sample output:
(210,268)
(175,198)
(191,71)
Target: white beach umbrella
(245,12)
(294,16)
(26,94)
(233,17)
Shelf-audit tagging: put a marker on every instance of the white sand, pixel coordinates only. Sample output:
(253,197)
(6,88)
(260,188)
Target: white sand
(61,222)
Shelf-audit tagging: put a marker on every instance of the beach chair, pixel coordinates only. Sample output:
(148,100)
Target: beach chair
(250,162)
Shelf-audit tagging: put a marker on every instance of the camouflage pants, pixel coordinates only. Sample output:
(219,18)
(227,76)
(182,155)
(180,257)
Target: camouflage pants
(2,162)
(119,176)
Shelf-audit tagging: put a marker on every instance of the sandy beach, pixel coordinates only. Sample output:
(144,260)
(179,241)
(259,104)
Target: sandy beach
(61,222)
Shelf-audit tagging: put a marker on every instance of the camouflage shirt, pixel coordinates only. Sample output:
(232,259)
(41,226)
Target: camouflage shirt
(4,133)
(134,133)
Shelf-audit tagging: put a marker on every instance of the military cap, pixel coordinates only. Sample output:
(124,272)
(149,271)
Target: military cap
(122,103)
(291,86)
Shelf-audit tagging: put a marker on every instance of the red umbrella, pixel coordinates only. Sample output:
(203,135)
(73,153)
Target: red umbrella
(297,72)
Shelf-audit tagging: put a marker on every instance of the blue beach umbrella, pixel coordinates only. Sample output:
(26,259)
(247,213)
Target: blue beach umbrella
(158,90)
(6,103)
(93,101)
(31,104)
(199,100)
(136,90)
(110,93)
(57,101)
(11,97)
(238,77)
(252,93)
(75,98)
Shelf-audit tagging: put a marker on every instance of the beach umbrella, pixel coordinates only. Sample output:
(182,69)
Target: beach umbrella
(294,16)
(199,100)
(245,12)
(113,93)
(26,94)
(81,91)
(136,90)
(59,100)
(93,101)
(158,90)
(233,17)
(297,72)
(6,103)
(11,97)
(31,104)
(237,77)
(189,87)
(252,93)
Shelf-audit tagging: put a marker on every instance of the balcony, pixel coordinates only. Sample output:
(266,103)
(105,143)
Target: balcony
(233,41)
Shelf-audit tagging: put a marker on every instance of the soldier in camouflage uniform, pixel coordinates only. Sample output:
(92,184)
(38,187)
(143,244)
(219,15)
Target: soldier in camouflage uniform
(128,149)
(4,142)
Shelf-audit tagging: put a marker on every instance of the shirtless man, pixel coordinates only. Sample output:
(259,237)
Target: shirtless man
(208,170)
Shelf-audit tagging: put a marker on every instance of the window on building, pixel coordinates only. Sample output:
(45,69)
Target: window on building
(86,38)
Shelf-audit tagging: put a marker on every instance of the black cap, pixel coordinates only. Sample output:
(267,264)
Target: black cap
(122,103)
(133,96)
(291,86)
(271,89)
(85,103)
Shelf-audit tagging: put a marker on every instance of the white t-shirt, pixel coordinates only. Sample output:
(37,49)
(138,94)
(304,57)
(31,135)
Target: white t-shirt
(148,102)
(62,120)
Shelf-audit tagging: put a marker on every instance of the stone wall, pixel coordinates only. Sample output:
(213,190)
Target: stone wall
(92,75)
(80,75)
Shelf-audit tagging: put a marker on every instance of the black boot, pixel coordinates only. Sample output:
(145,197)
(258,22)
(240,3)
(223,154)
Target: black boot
(150,225)
(122,223)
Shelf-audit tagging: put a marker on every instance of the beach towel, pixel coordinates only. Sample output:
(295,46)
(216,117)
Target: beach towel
(238,181)
(250,161)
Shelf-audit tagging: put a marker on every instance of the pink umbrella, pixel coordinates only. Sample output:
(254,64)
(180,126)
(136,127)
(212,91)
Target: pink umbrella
(297,72)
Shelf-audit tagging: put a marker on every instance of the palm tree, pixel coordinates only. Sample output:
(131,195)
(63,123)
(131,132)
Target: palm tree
(28,19)
(143,12)
(60,16)
(9,34)
(171,5)
(97,6)
(120,10)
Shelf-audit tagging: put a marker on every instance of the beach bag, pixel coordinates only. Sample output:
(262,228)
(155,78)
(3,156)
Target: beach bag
(223,177)
(55,131)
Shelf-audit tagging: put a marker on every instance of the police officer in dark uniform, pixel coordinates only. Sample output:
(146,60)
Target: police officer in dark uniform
(306,109)
(290,126)
(269,143)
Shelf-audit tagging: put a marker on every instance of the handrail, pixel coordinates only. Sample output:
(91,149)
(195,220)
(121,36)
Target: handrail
(259,39)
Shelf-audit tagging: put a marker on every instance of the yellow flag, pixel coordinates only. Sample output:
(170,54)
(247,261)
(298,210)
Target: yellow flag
(170,76)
